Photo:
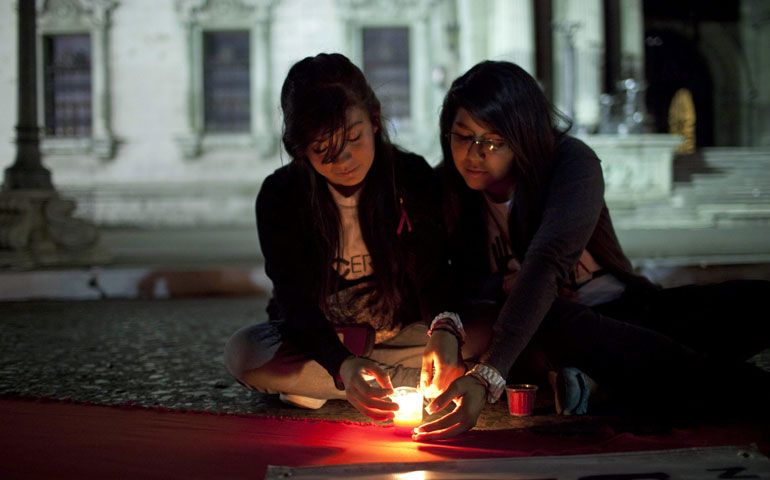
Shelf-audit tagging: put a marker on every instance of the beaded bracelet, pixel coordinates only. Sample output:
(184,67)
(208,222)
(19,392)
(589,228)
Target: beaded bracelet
(494,382)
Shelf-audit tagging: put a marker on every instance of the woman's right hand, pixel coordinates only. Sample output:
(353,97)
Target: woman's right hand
(369,400)
(441,362)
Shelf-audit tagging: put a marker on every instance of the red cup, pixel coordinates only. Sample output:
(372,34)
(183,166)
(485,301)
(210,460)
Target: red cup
(521,399)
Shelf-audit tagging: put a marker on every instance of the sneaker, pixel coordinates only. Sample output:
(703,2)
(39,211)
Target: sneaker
(302,402)
(571,388)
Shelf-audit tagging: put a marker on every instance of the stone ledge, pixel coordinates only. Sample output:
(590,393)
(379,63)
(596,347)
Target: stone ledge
(637,167)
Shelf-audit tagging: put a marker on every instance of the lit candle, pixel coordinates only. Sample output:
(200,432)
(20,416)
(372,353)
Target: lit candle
(409,413)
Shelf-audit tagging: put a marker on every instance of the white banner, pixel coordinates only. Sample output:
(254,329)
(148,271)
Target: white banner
(690,463)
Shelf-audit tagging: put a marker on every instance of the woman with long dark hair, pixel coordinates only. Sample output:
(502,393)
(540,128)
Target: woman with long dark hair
(353,240)
(529,229)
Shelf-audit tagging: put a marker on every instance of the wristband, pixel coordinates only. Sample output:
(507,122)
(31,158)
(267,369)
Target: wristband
(448,327)
(450,319)
(495,383)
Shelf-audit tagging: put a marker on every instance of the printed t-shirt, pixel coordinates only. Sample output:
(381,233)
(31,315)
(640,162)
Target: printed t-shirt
(354,265)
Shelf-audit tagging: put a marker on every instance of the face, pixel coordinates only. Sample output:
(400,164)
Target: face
(353,163)
(486,166)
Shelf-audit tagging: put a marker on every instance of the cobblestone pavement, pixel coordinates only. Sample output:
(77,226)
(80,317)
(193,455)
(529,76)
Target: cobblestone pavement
(165,353)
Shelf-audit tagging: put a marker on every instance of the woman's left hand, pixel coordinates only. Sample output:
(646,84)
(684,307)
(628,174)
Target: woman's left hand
(441,362)
(470,395)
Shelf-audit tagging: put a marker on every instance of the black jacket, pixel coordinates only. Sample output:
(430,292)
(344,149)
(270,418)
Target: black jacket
(285,227)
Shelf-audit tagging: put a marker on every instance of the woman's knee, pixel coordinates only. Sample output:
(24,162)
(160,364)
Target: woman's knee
(250,348)
(234,354)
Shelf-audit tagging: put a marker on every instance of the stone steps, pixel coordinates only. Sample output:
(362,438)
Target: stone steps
(724,176)
(716,187)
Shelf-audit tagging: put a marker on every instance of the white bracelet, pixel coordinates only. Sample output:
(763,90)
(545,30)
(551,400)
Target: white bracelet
(455,318)
(495,381)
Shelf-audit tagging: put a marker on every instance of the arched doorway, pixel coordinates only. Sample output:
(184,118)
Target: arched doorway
(672,63)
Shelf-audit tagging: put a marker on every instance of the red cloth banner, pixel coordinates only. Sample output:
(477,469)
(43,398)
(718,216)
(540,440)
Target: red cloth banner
(54,439)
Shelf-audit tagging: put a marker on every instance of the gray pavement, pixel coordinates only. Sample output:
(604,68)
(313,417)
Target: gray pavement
(152,352)
(168,353)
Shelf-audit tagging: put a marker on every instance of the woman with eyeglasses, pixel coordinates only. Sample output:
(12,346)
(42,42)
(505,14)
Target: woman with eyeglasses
(353,240)
(530,231)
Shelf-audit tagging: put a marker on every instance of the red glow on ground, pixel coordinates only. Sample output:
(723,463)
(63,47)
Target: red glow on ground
(66,440)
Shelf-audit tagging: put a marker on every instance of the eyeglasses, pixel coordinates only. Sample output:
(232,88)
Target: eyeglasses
(460,141)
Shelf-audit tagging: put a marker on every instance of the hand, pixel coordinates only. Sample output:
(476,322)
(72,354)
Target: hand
(470,395)
(509,280)
(441,362)
(366,398)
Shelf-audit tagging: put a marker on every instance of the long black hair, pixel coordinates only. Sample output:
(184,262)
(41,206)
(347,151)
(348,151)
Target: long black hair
(315,98)
(507,100)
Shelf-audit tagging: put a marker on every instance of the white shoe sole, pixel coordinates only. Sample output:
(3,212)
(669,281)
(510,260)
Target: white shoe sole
(302,402)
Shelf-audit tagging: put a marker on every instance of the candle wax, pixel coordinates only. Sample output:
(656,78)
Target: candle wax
(405,426)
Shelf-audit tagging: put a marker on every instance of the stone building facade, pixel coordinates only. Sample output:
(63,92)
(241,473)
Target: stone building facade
(147,147)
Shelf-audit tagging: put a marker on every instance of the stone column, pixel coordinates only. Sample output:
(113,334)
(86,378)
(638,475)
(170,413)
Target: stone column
(512,33)
(443,42)
(755,33)
(260,99)
(36,226)
(104,142)
(568,78)
(420,59)
(632,40)
(190,141)
(583,18)
(471,19)
(632,74)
